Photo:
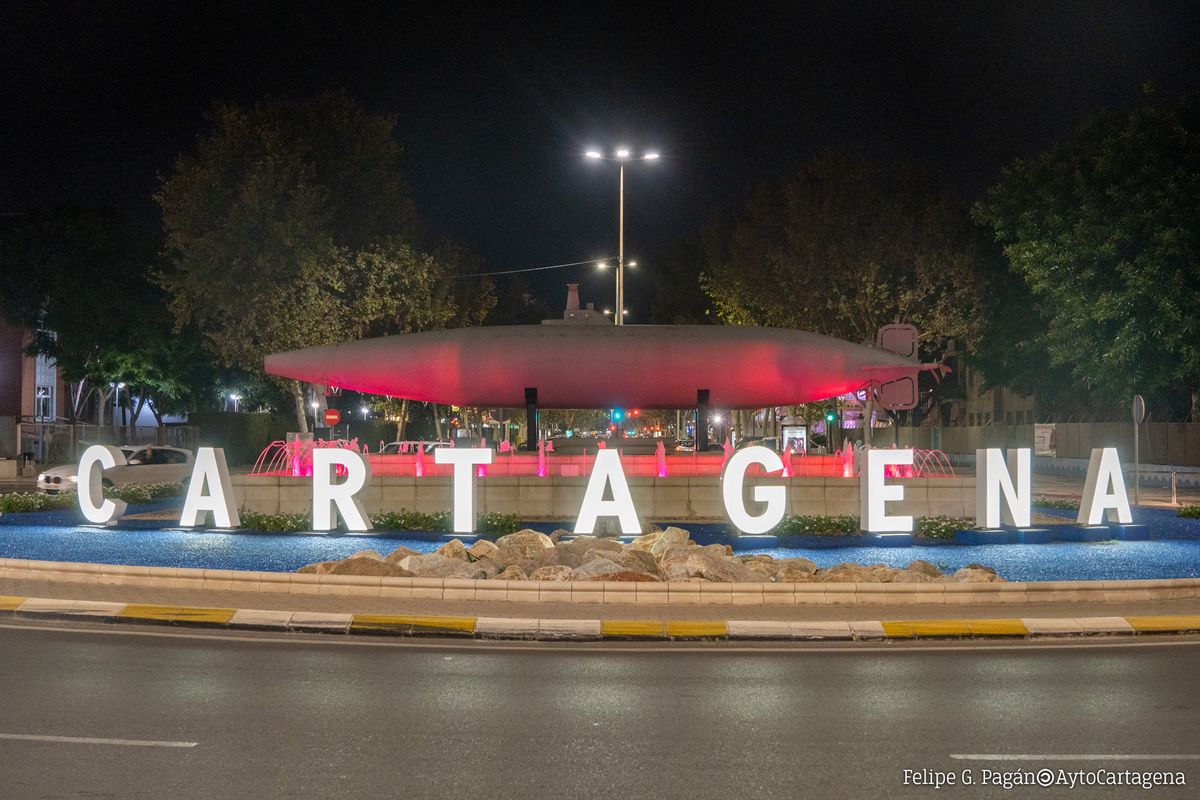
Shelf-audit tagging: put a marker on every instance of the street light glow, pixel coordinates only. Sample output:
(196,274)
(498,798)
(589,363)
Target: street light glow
(593,154)
(631,264)
(601,265)
(623,153)
(650,157)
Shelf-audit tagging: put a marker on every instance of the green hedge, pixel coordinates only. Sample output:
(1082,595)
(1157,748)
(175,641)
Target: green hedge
(1057,502)
(133,493)
(924,527)
(1191,512)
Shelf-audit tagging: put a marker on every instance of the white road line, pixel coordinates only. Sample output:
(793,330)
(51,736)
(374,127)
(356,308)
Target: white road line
(1075,757)
(29,737)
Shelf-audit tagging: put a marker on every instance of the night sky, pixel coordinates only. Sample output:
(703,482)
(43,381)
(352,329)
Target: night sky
(496,103)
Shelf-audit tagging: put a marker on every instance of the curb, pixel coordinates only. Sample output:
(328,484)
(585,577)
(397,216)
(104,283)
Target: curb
(589,629)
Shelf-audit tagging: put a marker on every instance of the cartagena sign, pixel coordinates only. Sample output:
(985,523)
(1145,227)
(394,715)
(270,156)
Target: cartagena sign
(1003,490)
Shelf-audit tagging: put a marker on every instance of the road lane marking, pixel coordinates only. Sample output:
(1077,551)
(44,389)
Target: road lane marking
(30,737)
(1075,757)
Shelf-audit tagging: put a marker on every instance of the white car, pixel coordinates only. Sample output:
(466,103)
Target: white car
(143,465)
(410,448)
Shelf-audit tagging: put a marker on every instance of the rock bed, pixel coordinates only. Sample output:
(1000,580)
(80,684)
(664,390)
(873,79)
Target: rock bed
(668,555)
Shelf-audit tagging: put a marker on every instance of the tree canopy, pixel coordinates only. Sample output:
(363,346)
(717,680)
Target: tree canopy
(1103,231)
(291,225)
(843,248)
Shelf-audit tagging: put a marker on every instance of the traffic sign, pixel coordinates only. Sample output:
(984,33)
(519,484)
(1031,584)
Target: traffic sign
(332,417)
(1139,409)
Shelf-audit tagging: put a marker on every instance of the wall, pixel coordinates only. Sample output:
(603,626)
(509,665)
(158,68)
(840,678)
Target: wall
(559,498)
(1175,443)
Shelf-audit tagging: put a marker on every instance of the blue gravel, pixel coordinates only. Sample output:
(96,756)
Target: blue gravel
(1175,558)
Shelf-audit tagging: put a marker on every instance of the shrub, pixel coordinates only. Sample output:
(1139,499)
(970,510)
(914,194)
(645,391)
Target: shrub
(941,527)
(817,526)
(1057,502)
(405,520)
(18,502)
(494,525)
(275,523)
(144,492)
(1191,512)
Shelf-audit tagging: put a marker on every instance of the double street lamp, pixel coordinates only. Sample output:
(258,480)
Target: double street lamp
(621,156)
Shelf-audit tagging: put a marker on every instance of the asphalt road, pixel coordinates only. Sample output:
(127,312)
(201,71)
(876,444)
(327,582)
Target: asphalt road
(282,717)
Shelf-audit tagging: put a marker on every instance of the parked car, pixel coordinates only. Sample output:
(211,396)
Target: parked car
(143,465)
(410,448)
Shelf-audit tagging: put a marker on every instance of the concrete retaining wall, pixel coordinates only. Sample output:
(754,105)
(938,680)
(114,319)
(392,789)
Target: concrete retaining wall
(557,498)
(603,591)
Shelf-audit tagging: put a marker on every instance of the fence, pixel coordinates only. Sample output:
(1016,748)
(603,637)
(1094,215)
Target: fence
(1169,443)
(55,443)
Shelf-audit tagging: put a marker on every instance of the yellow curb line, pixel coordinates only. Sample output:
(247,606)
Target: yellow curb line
(214,616)
(417,625)
(407,623)
(1164,624)
(10,602)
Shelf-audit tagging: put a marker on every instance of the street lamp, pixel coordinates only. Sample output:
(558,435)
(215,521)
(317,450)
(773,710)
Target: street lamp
(236,398)
(621,155)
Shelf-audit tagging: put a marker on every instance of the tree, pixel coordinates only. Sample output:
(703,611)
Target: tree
(291,226)
(842,249)
(80,280)
(1103,230)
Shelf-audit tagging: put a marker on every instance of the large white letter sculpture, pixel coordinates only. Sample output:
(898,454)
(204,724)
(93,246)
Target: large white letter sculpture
(606,472)
(874,493)
(89,485)
(992,478)
(210,470)
(327,494)
(463,459)
(1104,490)
(732,480)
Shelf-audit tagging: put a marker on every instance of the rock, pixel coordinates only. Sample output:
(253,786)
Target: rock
(530,543)
(983,567)
(764,568)
(320,568)
(366,554)
(486,568)
(638,561)
(453,549)
(436,565)
(972,575)
(882,573)
(913,576)
(792,572)
(596,567)
(924,567)
(399,554)
(671,537)
(709,566)
(511,573)
(554,572)
(576,551)
(482,548)
(362,566)
(796,564)
(626,577)
(557,534)
(717,549)
(848,572)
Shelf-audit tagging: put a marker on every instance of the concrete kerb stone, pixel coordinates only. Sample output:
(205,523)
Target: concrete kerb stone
(1015,593)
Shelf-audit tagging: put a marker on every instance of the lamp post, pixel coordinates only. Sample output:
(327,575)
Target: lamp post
(621,155)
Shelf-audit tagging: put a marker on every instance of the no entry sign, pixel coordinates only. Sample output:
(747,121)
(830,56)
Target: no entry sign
(332,417)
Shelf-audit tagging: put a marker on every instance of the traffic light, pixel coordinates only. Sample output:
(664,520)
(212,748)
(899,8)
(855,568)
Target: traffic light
(618,415)
(830,415)
(636,412)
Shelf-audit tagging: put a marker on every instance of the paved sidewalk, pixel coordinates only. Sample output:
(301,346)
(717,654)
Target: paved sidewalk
(542,610)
